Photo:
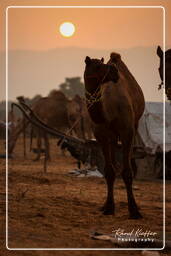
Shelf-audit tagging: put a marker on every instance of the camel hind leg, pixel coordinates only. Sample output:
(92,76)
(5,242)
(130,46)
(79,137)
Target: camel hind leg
(24,136)
(127,141)
(39,145)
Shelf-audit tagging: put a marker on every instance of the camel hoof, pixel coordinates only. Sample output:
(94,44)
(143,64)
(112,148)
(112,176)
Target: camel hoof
(135,216)
(108,210)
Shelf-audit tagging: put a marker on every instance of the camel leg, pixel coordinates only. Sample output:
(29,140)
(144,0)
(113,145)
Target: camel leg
(127,176)
(46,152)
(31,138)
(109,206)
(24,137)
(39,145)
(47,146)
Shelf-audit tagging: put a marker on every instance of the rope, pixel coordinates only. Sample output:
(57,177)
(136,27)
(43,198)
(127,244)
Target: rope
(76,122)
(94,96)
(92,100)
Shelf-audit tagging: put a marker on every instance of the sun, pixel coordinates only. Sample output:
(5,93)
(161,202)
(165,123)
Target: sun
(67,29)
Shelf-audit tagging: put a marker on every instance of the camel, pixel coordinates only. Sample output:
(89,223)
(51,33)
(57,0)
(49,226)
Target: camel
(115,103)
(78,118)
(53,111)
(167,70)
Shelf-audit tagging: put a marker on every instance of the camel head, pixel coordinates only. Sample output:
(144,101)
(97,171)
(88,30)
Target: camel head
(160,54)
(168,73)
(98,72)
(167,69)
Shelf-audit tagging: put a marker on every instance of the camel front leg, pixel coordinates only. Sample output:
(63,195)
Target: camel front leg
(39,145)
(109,206)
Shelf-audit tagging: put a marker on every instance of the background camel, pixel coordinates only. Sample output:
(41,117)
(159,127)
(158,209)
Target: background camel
(115,102)
(167,70)
(87,152)
(53,111)
(58,112)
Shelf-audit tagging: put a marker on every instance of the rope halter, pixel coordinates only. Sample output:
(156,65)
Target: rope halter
(96,96)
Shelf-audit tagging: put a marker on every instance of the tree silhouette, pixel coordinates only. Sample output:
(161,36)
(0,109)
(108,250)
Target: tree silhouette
(72,86)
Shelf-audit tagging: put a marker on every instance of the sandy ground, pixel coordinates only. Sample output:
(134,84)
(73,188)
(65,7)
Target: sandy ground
(57,210)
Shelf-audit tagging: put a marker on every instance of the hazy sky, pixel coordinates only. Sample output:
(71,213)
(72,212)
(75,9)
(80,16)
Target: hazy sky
(106,29)
(38,29)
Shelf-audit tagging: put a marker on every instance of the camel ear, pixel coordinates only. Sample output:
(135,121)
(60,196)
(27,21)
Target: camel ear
(159,52)
(102,60)
(87,60)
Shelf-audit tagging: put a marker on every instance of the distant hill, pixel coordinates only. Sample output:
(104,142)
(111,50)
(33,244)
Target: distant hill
(37,72)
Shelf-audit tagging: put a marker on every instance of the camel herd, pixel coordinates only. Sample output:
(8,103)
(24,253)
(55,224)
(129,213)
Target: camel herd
(110,112)
(58,112)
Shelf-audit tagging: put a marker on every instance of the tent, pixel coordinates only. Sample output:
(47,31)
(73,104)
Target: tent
(151,137)
(151,127)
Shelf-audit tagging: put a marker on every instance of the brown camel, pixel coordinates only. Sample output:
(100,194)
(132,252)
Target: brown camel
(79,118)
(167,70)
(52,110)
(115,103)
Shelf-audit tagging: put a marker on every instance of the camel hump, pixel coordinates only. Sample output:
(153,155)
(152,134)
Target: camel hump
(115,57)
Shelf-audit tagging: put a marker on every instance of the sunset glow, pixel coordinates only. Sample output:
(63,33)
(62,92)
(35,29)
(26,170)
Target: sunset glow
(64,36)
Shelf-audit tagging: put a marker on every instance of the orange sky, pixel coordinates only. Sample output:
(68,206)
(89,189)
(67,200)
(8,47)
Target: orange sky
(107,29)
(37,29)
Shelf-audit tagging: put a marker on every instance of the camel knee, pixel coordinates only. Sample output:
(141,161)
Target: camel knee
(109,172)
(110,176)
(127,175)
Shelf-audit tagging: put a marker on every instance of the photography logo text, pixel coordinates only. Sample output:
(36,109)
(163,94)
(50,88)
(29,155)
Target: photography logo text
(135,235)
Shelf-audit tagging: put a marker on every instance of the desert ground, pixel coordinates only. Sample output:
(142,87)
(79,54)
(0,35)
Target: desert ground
(60,210)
